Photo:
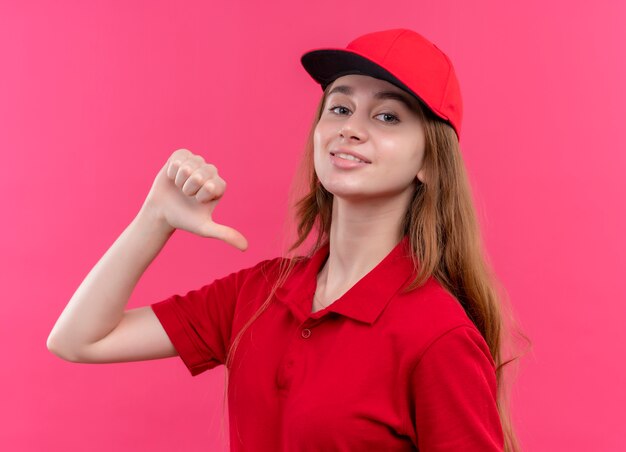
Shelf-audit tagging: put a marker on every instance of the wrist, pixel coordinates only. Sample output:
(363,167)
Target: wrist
(150,218)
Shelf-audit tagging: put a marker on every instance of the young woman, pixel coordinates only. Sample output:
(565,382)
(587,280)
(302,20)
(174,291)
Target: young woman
(387,334)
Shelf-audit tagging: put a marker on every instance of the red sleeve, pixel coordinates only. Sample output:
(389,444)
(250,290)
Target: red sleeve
(199,323)
(453,392)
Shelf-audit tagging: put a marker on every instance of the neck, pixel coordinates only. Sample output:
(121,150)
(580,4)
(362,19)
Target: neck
(361,235)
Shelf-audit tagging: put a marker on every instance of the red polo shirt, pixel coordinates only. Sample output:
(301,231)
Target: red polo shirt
(377,370)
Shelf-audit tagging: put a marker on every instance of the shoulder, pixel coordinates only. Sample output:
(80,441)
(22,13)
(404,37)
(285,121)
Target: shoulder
(262,270)
(425,314)
(460,343)
(266,271)
(440,330)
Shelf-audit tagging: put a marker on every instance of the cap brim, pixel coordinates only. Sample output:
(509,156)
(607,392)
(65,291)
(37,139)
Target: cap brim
(326,65)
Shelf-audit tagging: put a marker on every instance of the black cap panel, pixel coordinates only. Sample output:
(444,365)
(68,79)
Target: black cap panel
(325,66)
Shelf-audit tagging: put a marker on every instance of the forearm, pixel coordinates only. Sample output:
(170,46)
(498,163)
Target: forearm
(98,304)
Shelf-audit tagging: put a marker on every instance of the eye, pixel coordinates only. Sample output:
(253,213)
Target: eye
(392,119)
(337,106)
(389,115)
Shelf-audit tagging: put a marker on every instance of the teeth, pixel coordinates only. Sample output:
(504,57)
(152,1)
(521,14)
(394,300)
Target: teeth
(348,157)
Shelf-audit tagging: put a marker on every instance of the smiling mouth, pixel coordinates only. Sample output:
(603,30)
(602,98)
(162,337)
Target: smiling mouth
(348,157)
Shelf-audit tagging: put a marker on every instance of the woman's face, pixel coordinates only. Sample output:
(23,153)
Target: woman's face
(362,114)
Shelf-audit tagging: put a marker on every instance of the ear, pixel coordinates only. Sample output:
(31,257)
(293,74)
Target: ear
(421,175)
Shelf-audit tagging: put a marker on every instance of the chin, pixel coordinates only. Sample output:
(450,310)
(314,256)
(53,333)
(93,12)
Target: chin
(354,194)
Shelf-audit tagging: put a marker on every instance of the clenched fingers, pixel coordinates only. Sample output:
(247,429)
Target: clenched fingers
(212,189)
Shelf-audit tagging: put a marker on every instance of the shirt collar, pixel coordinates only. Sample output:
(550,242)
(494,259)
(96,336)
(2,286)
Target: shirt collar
(364,301)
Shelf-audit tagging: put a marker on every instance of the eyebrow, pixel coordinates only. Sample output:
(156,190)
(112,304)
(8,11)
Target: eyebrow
(379,95)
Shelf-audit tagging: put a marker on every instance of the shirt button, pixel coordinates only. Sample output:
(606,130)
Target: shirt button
(306,333)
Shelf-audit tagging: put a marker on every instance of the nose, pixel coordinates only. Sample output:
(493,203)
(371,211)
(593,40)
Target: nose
(352,127)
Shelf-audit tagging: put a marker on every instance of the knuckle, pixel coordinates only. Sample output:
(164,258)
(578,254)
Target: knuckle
(209,186)
(186,168)
(179,153)
(197,178)
(191,164)
(196,159)
(203,196)
(217,191)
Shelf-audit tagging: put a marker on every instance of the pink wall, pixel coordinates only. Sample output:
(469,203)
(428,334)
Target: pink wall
(94,96)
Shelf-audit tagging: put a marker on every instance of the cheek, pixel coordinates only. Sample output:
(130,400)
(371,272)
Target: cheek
(318,147)
(317,144)
(317,137)
(322,131)
(418,152)
(322,137)
(404,153)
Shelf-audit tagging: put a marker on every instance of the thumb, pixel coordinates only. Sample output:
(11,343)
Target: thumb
(225,233)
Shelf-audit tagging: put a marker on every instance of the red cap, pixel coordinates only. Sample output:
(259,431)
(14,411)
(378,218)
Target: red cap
(400,56)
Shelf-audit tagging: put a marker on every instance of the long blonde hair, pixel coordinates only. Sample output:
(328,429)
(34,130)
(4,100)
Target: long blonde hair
(444,237)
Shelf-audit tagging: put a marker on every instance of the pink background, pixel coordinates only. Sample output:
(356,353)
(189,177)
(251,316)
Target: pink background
(94,96)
